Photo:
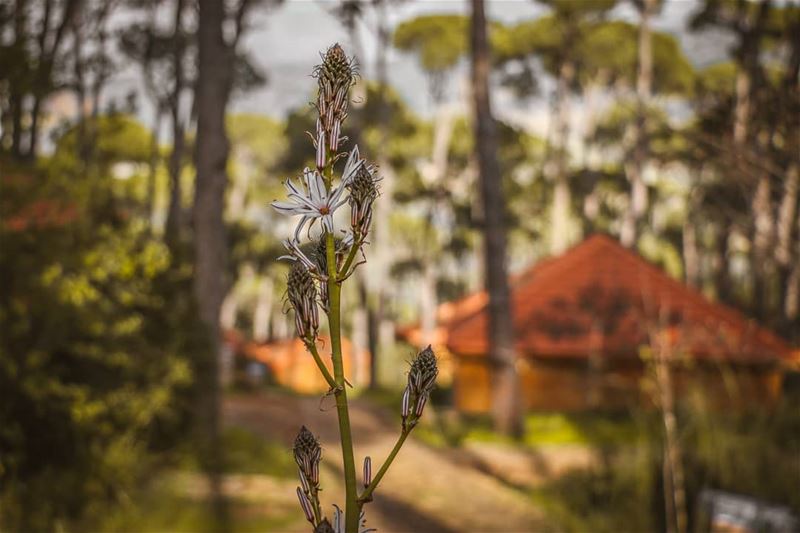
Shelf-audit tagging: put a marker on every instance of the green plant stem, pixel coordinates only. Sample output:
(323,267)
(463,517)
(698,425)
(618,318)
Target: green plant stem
(312,348)
(316,508)
(334,304)
(350,257)
(366,496)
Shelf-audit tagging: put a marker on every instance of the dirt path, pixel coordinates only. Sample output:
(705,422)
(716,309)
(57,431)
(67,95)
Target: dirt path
(426,490)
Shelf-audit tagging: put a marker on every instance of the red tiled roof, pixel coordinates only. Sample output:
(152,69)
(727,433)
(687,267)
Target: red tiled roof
(600,298)
(41,214)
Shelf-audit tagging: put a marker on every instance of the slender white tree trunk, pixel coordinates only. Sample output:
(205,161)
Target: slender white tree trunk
(559,164)
(262,315)
(635,168)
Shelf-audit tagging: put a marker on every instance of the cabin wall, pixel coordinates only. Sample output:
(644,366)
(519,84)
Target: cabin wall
(578,384)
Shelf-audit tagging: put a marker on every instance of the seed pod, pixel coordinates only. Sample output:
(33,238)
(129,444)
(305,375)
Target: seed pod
(406,402)
(306,505)
(367,471)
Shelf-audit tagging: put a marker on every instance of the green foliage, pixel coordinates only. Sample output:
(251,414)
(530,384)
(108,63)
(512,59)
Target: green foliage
(91,374)
(259,139)
(753,453)
(115,138)
(612,48)
(439,40)
(719,78)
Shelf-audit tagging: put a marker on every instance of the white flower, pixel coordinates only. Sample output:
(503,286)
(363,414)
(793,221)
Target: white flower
(314,203)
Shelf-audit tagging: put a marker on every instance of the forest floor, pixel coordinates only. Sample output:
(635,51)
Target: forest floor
(479,487)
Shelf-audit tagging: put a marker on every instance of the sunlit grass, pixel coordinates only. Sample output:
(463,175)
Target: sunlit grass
(258,488)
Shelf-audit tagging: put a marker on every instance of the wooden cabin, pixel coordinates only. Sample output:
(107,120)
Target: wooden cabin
(288,363)
(586,324)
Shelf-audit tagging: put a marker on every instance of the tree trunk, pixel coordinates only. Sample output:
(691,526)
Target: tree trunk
(635,169)
(262,315)
(720,262)
(150,194)
(558,165)
(359,336)
(691,256)
(428,302)
(762,242)
(787,252)
(674,489)
(505,402)
(761,231)
(17,99)
(16,94)
(33,130)
(378,293)
(215,73)
(174,229)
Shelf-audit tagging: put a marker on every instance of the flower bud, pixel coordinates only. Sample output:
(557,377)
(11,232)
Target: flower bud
(405,409)
(307,454)
(321,151)
(335,76)
(335,131)
(306,505)
(304,481)
(367,471)
(363,189)
(336,70)
(423,372)
(421,401)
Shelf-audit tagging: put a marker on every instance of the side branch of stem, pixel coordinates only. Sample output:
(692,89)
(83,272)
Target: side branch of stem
(366,496)
(312,348)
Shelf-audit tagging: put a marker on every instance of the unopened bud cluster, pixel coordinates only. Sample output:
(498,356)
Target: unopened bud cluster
(307,454)
(335,76)
(363,192)
(302,296)
(421,380)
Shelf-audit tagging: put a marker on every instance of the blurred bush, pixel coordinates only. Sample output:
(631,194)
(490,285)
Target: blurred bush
(756,454)
(95,352)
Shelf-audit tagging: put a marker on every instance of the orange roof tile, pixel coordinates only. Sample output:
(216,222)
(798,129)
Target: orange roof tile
(599,297)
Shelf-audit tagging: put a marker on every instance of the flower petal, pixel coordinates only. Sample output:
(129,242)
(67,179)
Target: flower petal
(354,161)
(285,207)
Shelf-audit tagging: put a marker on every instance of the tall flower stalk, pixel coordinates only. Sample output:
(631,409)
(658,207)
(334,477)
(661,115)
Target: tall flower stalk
(319,268)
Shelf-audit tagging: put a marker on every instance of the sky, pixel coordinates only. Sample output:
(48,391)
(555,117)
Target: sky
(299,29)
(285,43)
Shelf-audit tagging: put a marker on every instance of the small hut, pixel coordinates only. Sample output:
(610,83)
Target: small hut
(586,324)
(289,364)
